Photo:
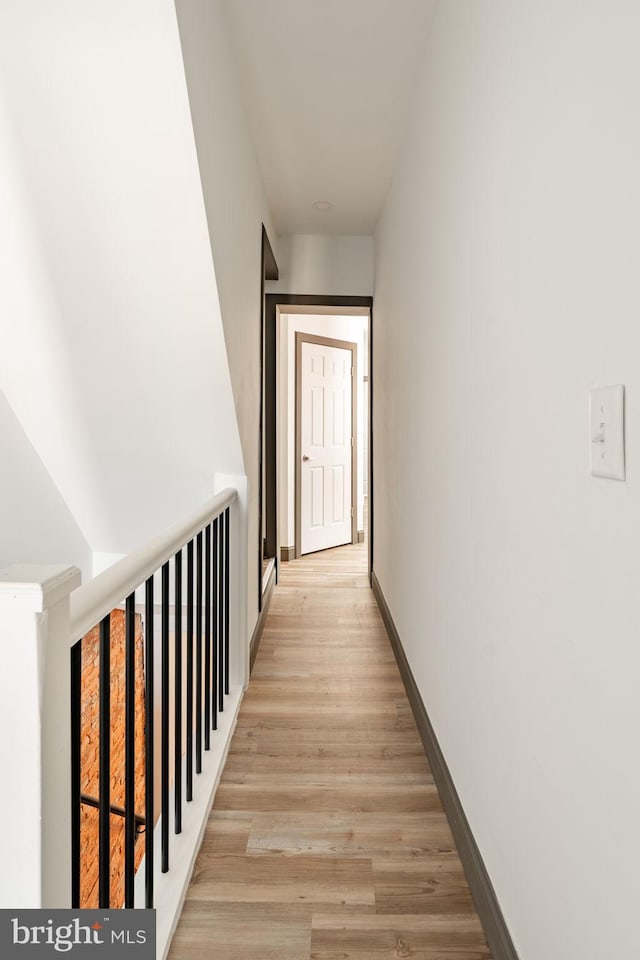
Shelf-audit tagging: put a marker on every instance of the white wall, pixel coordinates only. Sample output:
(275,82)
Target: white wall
(315,264)
(113,354)
(236,209)
(506,287)
(354,329)
(37,526)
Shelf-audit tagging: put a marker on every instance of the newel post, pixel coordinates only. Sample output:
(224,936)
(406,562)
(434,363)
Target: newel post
(35,741)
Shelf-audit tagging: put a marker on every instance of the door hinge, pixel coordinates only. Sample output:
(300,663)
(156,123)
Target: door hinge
(352,511)
(351,441)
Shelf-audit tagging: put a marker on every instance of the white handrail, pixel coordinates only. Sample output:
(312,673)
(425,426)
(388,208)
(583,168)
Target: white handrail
(95,599)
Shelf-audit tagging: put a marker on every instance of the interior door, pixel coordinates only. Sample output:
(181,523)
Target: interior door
(326,442)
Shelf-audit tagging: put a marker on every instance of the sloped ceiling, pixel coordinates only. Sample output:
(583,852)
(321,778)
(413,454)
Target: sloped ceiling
(327,86)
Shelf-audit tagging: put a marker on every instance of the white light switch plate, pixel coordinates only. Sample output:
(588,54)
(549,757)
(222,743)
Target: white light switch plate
(606,425)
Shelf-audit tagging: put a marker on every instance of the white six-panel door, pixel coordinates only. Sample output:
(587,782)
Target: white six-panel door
(325,448)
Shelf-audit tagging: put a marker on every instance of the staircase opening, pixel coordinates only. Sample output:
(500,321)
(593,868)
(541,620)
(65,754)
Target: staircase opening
(90,759)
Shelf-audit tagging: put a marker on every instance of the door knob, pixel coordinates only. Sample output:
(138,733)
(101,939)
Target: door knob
(305,458)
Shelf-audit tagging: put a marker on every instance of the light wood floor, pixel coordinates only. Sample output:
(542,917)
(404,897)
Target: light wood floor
(327,839)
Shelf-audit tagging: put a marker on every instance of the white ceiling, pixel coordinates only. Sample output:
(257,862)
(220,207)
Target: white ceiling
(327,85)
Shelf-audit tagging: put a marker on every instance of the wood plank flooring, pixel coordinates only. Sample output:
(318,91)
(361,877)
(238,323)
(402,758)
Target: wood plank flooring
(327,840)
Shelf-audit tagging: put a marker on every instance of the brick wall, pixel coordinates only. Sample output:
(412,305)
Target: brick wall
(89,757)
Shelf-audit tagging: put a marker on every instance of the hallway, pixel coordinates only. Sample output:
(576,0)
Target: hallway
(327,838)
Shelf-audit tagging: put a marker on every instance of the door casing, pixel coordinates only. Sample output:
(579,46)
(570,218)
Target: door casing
(267,469)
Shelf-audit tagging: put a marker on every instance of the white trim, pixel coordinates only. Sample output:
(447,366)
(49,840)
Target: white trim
(37,587)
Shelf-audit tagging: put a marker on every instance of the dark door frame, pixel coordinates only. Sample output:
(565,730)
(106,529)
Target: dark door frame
(270,374)
(267,500)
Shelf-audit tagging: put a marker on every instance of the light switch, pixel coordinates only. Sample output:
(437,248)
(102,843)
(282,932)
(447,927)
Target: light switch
(606,423)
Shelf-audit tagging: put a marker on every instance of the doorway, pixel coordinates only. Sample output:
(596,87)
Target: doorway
(299,304)
(326,442)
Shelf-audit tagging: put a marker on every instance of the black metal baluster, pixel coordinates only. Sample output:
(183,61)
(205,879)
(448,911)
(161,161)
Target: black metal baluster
(207,638)
(164,709)
(199,653)
(215,630)
(220,613)
(130,750)
(104,850)
(226,599)
(190,670)
(149,812)
(178,693)
(76,721)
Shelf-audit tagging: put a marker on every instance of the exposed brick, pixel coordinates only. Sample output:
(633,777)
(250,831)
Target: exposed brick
(89,756)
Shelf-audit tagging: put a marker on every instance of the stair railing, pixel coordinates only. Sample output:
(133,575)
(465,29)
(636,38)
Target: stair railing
(180,599)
